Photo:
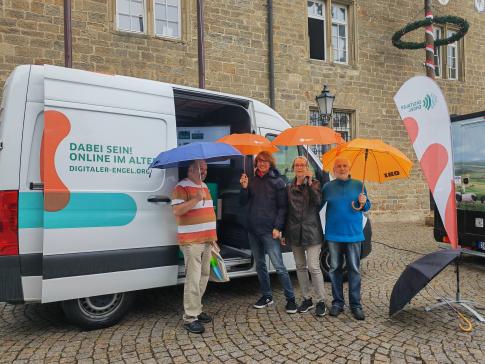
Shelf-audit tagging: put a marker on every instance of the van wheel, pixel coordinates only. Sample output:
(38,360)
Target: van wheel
(91,313)
(325,265)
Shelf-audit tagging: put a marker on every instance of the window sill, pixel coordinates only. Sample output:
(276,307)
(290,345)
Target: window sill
(148,36)
(131,34)
(352,66)
(169,39)
(317,61)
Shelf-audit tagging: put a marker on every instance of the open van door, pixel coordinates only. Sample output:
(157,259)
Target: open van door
(108,225)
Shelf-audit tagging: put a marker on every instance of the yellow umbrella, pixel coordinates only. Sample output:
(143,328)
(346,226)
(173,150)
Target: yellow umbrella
(371,160)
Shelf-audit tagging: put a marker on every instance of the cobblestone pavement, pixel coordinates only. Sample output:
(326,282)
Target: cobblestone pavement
(153,331)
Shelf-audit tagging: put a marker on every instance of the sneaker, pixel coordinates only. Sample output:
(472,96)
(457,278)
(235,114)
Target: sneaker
(321,309)
(306,305)
(264,302)
(358,313)
(291,306)
(195,327)
(335,311)
(204,318)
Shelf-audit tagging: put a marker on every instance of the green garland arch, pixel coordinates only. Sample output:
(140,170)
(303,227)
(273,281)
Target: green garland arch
(460,22)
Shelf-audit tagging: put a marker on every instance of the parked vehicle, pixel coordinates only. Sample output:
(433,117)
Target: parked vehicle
(467,132)
(82,220)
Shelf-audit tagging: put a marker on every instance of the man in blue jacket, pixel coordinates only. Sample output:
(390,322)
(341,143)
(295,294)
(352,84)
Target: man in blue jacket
(344,234)
(267,198)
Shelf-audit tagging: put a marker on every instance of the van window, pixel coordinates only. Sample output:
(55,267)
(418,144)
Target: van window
(284,159)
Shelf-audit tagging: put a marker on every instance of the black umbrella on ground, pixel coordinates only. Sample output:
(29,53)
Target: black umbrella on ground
(417,275)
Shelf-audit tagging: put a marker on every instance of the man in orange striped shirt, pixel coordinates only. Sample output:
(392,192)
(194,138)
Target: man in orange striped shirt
(196,220)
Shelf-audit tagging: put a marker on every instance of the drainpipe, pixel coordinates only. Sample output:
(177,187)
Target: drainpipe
(67,34)
(201,50)
(271,55)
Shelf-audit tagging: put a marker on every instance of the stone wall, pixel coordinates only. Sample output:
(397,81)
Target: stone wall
(31,32)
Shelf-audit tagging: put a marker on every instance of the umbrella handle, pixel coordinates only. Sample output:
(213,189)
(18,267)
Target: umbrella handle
(465,324)
(200,178)
(361,205)
(358,208)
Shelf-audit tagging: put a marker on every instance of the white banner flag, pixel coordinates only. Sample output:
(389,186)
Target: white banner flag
(424,112)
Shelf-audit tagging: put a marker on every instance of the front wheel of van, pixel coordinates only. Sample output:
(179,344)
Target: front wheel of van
(91,313)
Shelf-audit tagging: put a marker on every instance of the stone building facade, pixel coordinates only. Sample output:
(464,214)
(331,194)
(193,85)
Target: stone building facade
(364,70)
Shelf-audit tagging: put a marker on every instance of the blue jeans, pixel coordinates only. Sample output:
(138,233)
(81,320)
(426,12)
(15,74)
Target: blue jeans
(351,251)
(261,244)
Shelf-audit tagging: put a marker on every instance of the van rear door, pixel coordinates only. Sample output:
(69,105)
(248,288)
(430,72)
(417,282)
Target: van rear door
(108,224)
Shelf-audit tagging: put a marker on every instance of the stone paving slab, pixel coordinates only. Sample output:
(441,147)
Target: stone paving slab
(153,332)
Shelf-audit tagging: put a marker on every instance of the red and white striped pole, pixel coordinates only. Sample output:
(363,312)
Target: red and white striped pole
(429,39)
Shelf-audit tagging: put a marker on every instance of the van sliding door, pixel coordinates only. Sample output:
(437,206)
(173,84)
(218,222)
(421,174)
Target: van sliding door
(108,224)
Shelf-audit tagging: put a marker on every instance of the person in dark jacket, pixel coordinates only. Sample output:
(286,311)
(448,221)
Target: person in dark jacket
(303,232)
(266,195)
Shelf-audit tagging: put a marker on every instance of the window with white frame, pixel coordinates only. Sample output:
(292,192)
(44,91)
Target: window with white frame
(452,58)
(316,119)
(131,15)
(339,33)
(448,59)
(437,53)
(167,16)
(316,28)
(342,122)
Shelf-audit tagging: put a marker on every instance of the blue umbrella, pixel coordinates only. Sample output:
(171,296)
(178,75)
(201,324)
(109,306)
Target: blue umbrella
(184,155)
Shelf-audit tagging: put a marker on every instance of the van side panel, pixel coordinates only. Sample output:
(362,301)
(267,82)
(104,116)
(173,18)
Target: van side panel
(12,112)
(31,200)
(101,234)
(11,124)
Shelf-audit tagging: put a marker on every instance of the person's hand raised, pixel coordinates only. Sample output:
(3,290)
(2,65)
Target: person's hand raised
(308,177)
(244,180)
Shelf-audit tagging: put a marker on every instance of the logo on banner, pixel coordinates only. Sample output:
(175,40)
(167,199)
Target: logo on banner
(429,101)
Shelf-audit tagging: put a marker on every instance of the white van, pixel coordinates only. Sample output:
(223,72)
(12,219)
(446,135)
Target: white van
(82,220)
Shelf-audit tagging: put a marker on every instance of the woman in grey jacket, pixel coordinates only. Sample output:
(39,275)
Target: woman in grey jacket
(303,232)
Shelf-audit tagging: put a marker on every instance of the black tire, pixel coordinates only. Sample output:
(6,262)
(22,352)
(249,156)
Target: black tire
(92,313)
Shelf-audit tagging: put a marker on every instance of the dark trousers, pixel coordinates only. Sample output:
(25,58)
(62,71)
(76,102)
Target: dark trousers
(351,251)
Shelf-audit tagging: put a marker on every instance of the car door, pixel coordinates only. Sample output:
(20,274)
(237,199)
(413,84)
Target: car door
(107,222)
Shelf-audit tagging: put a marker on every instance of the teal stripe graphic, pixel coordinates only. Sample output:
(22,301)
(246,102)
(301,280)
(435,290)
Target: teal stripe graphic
(83,210)
(31,210)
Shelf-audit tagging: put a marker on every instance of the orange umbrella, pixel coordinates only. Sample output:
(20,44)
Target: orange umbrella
(370,159)
(308,135)
(248,144)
